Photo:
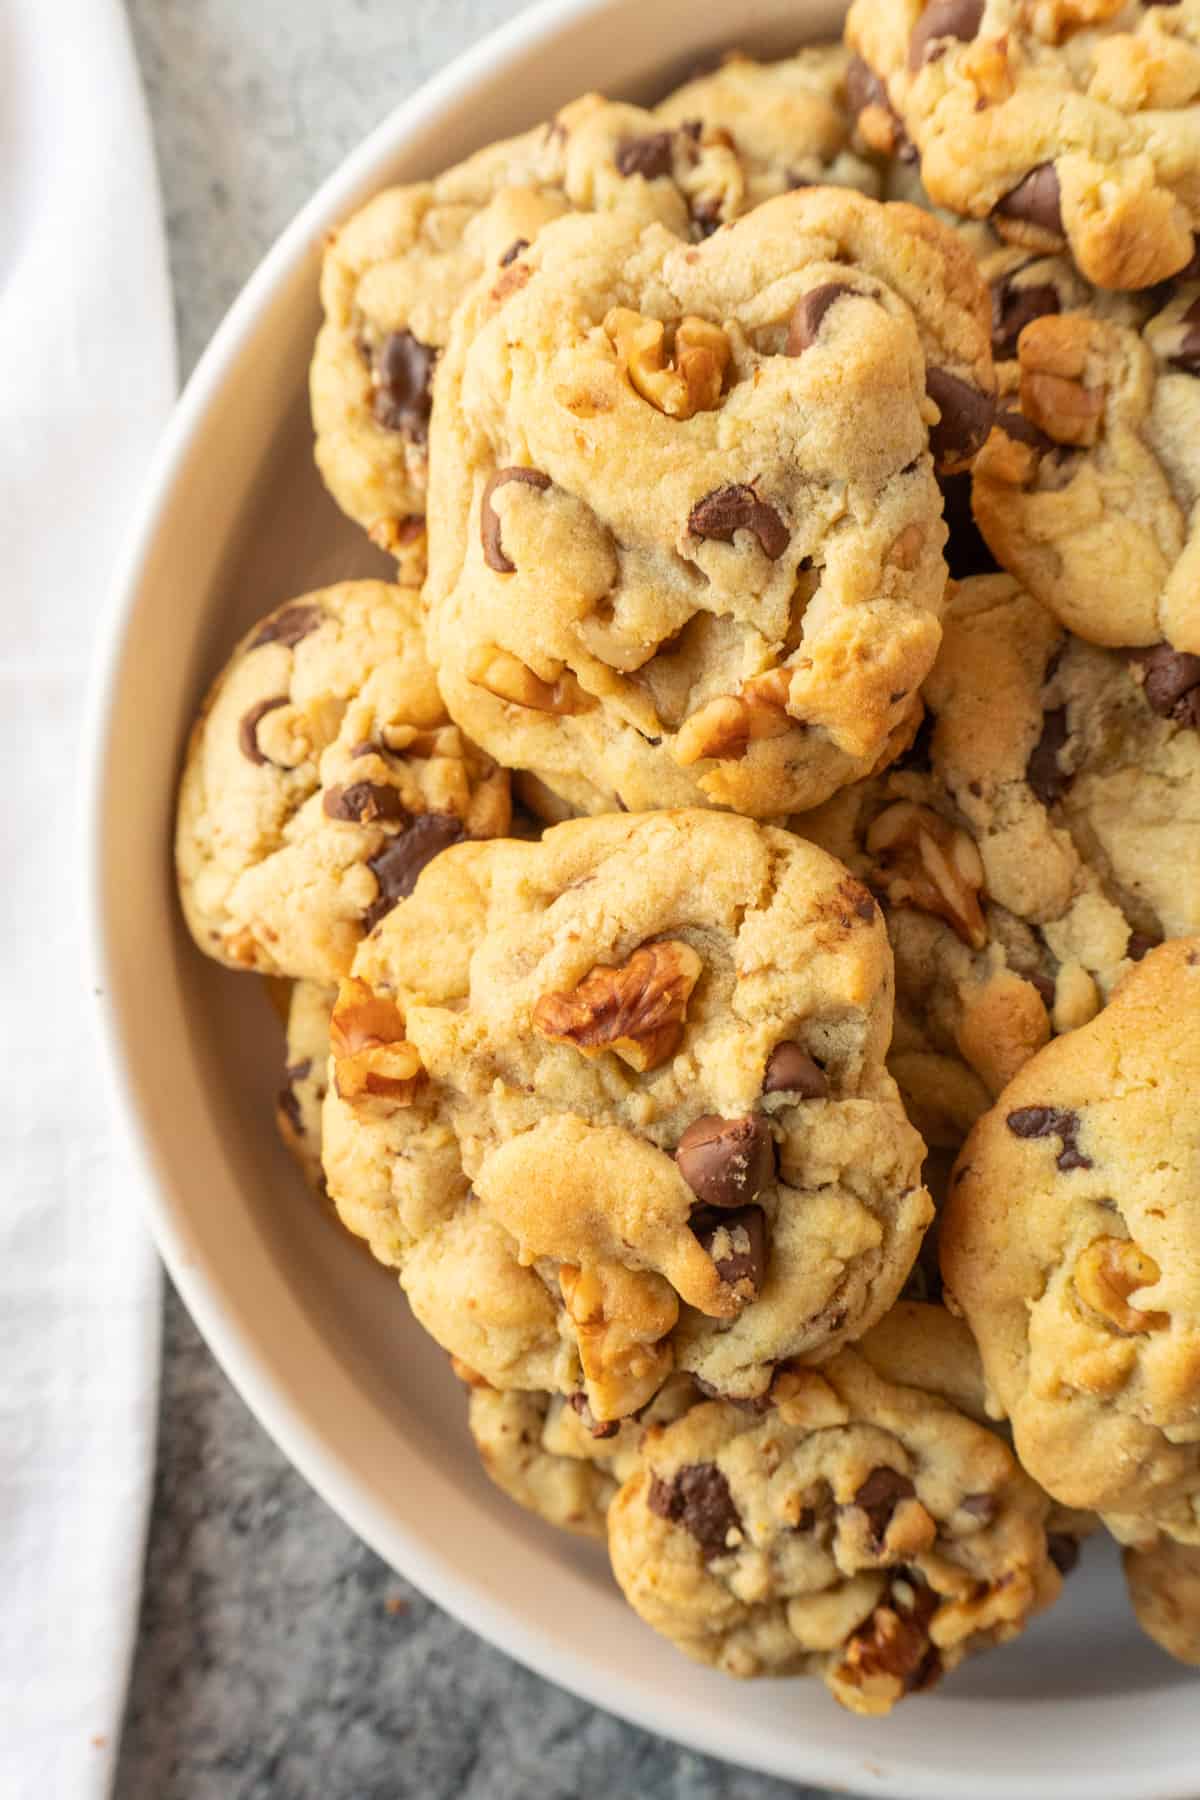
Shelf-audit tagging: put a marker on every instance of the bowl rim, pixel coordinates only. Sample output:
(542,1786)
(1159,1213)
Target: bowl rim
(346,1492)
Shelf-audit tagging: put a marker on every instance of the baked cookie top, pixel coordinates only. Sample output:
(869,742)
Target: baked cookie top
(395,271)
(687,537)
(1088,486)
(857,1529)
(1067,125)
(321,776)
(1070,1241)
(614,1104)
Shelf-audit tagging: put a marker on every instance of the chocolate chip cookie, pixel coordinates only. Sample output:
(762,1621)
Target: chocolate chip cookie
(1067,125)
(302,1094)
(857,1528)
(1069,1241)
(322,775)
(686,531)
(614,1104)
(1089,485)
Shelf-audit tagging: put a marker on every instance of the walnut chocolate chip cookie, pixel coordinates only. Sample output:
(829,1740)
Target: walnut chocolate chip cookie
(1068,125)
(1069,1242)
(394,273)
(858,1528)
(1089,486)
(302,1096)
(614,1105)
(1042,832)
(687,536)
(322,775)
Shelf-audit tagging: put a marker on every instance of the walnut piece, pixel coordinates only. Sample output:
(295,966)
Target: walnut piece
(1054,352)
(620,1315)
(926,862)
(728,725)
(372,1060)
(1111,1269)
(636,1009)
(508,678)
(691,381)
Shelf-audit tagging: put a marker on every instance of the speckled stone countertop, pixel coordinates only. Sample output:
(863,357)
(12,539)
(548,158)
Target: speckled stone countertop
(278,1659)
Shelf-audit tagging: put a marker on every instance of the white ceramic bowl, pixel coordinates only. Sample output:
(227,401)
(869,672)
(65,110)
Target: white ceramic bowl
(316,1337)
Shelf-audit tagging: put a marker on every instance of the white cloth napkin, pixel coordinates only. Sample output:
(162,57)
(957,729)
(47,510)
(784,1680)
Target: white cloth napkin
(86,379)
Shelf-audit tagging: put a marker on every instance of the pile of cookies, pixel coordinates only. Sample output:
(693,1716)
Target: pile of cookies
(679,876)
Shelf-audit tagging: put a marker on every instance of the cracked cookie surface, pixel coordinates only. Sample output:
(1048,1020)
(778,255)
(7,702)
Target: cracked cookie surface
(687,536)
(1067,125)
(860,1528)
(322,774)
(1070,1242)
(614,1104)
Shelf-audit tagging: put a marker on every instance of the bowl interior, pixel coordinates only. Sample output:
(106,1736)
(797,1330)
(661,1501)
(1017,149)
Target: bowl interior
(315,1334)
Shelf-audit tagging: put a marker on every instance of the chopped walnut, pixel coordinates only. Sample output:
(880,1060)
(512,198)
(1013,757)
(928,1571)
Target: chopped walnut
(510,679)
(1054,354)
(620,1317)
(1055,20)
(691,382)
(372,1059)
(636,1009)
(926,862)
(1111,1269)
(728,725)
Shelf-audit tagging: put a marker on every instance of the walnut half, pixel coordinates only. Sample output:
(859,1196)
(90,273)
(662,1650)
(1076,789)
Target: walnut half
(926,862)
(636,1009)
(508,678)
(1058,355)
(1111,1269)
(371,1058)
(728,725)
(620,1317)
(691,382)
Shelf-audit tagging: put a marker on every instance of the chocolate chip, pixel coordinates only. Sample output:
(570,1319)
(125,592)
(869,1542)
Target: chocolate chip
(791,1070)
(579,1404)
(1015,425)
(809,310)
(699,1500)
(944,19)
(1140,944)
(404,377)
(1187,353)
(879,1496)
(1036,200)
(863,89)
(288,626)
(1063,1551)
(1042,772)
(289,1106)
(1171,683)
(1045,988)
(489,521)
(727,1162)
(1051,1121)
(362,802)
(966,417)
(983,1507)
(649,156)
(248,727)
(737,1242)
(1013,308)
(737,508)
(514,250)
(398,864)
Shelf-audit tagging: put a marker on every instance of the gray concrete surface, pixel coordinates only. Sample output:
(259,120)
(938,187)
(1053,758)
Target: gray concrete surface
(278,1659)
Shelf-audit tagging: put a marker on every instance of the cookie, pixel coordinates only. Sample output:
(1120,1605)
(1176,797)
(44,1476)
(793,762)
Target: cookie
(321,776)
(1070,1243)
(1164,1588)
(614,1104)
(394,273)
(1088,486)
(858,1529)
(302,1095)
(686,532)
(1067,126)
(1043,831)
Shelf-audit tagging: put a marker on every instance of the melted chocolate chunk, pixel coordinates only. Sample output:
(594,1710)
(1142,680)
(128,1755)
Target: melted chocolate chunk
(1013,308)
(248,727)
(1171,683)
(944,19)
(791,1070)
(404,384)
(579,1403)
(362,803)
(966,417)
(1051,1121)
(1015,425)
(1048,781)
(398,864)
(1187,353)
(863,89)
(288,626)
(649,156)
(489,519)
(737,1242)
(727,1162)
(805,323)
(737,508)
(699,1500)
(514,250)
(1036,200)
(1140,944)
(879,1496)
